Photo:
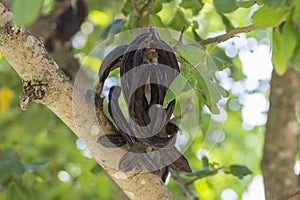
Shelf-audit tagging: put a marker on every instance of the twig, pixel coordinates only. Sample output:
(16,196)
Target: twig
(211,173)
(186,110)
(140,12)
(186,190)
(226,36)
(289,194)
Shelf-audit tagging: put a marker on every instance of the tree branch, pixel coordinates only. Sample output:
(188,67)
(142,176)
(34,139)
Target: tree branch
(45,83)
(186,190)
(140,12)
(227,36)
(289,194)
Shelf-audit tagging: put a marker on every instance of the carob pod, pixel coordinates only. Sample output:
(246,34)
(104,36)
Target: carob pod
(153,54)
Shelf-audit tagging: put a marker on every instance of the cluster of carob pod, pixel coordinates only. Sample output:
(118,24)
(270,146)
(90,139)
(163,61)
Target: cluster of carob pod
(147,68)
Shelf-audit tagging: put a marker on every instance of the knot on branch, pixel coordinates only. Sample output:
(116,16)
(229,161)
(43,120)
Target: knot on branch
(5,16)
(33,90)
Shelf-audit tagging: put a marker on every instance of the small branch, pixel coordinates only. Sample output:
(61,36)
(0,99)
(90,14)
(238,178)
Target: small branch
(140,12)
(289,194)
(145,6)
(186,190)
(227,36)
(211,173)
(186,111)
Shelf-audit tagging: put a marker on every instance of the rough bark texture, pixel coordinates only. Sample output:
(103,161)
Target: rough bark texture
(281,135)
(48,85)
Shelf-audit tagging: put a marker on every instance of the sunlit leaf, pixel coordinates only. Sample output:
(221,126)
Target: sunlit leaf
(225,6)
(284,45)
(98,17)
(266,16)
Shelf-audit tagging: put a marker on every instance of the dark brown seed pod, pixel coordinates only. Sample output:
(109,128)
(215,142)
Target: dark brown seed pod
(111,61)
(148,66)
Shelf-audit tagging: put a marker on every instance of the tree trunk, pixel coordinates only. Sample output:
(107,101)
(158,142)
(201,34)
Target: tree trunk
(281,135)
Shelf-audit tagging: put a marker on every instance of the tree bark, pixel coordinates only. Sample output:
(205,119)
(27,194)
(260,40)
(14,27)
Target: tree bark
(45,83)
(281,137)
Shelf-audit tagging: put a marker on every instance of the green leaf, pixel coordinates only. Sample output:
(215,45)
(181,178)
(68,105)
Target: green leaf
(198,58)
(239,170)
(42,161)
(196,35)
(226,22)
(194,5)
(266,16)
(96,169)
(246,4)
(113,28)
(10,168)
(202,64)
(178,21)
(274,3)
(193,55)
(156,21)
(25,12)
(225,6)
(211,90)
(284,45)
(155,7)
(296,58)
(205,163)
(35,168)
(18,191)
(199,173)
(38,165)
(127,8)
(296,13)
(132,20)
(221,63)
